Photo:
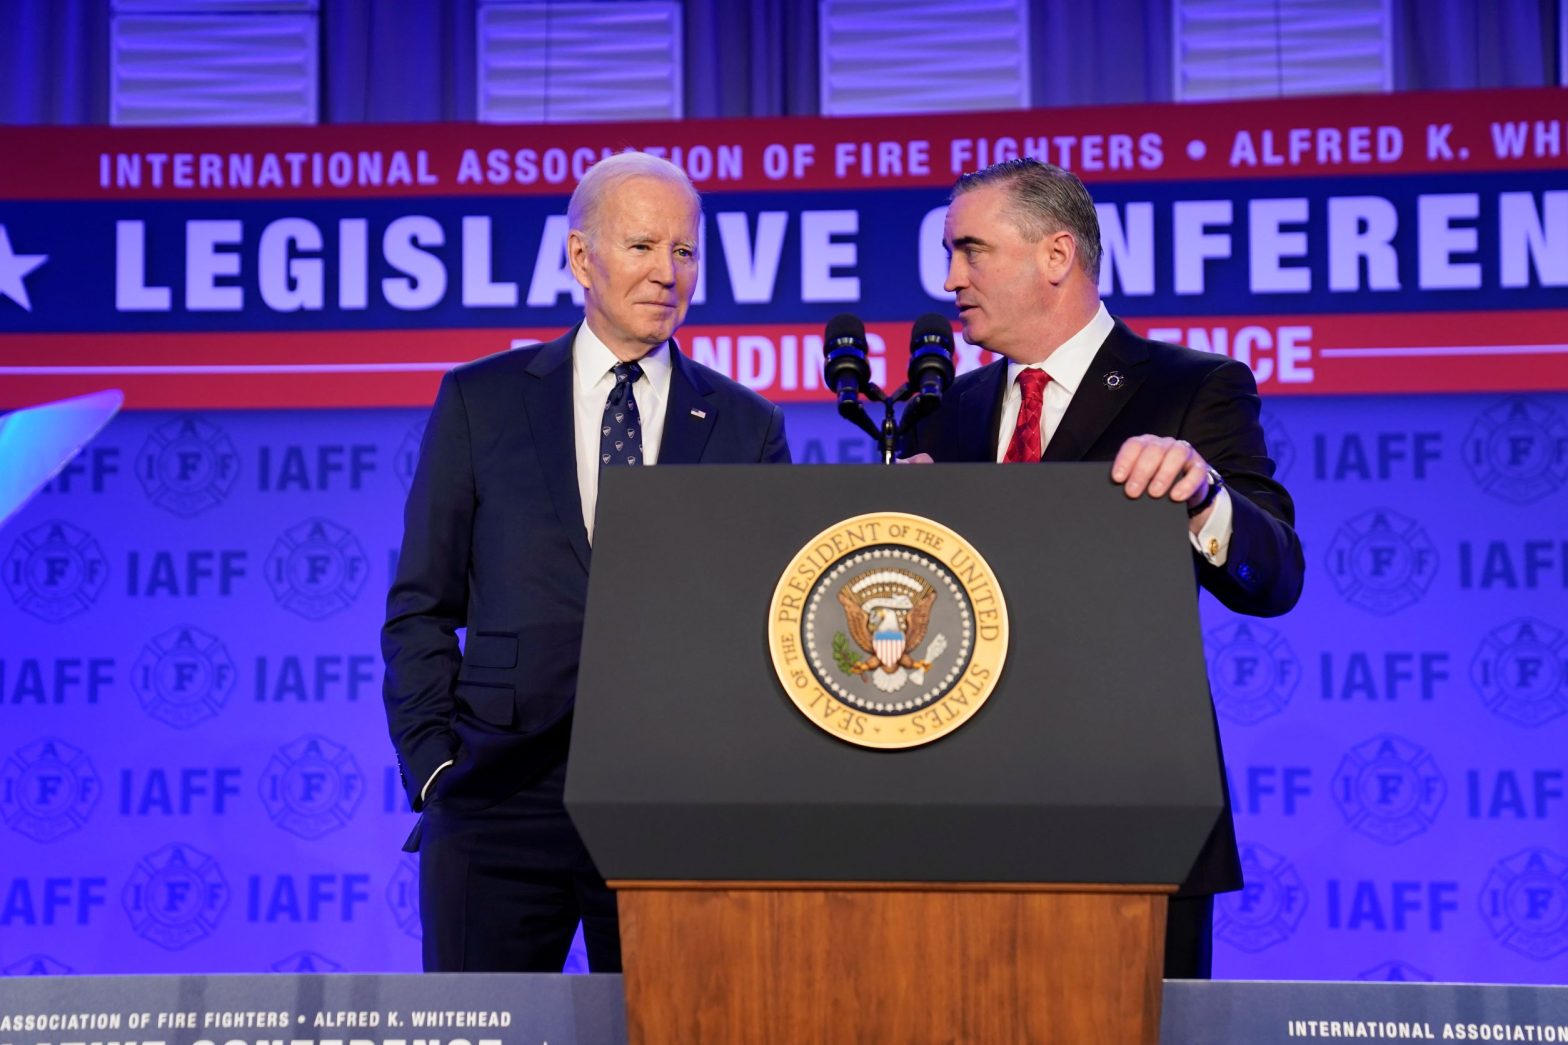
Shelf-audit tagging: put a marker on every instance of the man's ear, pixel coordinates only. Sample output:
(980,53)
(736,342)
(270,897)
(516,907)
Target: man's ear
(577,256)
(1058,255)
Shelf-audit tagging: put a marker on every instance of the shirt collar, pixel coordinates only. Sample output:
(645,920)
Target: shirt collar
(1067,365)
(593,360)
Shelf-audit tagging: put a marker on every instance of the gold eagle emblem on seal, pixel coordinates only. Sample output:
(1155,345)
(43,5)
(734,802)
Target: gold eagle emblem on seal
(888,630)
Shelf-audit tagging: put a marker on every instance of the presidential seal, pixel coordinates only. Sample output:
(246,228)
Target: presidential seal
(888,630)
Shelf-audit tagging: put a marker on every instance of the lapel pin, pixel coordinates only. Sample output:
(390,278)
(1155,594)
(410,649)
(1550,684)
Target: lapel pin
(1114,380)
(699,414)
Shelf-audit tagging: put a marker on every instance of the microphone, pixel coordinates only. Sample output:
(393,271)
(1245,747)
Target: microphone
(930,359)
(847,370)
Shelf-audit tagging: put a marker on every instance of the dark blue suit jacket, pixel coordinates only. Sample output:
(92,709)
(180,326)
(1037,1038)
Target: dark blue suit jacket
(494,542)
(1136,387)
(1139,387)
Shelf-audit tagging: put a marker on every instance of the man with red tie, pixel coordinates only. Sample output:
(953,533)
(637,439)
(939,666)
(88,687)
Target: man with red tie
(1075,384)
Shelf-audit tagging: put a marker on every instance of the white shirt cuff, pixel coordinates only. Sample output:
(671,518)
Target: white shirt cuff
(1213,541)
(426,789)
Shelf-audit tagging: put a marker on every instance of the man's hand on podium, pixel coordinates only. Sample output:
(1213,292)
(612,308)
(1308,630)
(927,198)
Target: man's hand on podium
(1158,466)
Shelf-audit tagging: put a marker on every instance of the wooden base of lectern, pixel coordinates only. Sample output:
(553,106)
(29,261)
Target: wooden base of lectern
(816,962)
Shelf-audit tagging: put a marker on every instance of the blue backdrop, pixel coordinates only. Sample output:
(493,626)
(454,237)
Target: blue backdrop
(195,774)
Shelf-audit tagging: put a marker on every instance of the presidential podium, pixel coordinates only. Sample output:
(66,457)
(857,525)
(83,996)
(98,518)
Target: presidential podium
(779,881)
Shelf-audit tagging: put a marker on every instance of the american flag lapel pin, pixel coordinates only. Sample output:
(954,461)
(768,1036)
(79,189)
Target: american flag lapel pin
(698,414)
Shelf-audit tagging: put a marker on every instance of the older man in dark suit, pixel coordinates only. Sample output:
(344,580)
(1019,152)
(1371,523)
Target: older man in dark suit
(498,532)
(1023,243)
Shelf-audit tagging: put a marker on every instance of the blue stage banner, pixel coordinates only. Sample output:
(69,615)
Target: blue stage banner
(195,774)
(481,1009)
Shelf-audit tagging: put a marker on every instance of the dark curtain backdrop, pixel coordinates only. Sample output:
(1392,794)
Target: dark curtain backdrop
(1457,44)
(751,58)
(391,61)
(395,61)
(54,61)
(1112,52)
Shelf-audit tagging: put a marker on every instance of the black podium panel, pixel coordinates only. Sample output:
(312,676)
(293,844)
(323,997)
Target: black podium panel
(1094,760)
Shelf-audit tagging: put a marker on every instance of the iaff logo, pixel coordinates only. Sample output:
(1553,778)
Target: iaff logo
(316,569)
(37,965)
(1389,789)
(305,961)
(1525,903)
(403,895)
(1252,671)
(407,456)
(183,676)
(1382,561)
(1521,672)
(1268,909)
(312,787)
(1518,451)
(175,896)
(1396,972)
(47,790)
(187,466)
(1281,447)
(55,571)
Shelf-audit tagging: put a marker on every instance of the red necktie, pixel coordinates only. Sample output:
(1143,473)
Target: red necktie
(1025,445)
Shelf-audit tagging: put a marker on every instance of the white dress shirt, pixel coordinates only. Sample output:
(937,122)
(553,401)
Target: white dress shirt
(591,383)
(1066,368)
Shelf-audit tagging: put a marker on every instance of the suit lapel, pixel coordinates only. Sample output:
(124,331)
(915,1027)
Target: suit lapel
(980,414)
(547,395)
(1107,386)
(691,414)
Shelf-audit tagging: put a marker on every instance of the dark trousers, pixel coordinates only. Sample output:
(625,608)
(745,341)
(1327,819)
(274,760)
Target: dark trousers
(1189,938)
(502,887)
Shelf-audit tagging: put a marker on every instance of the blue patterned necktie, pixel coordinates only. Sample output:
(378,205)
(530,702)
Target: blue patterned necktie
(620,434)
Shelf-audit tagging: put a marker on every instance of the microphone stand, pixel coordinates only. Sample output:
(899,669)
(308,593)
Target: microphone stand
(851,411)
(888,433)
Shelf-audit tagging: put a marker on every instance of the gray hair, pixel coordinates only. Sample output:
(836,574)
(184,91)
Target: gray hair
(582,213)
(1046,199)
